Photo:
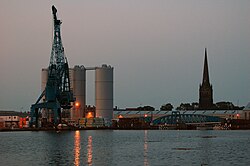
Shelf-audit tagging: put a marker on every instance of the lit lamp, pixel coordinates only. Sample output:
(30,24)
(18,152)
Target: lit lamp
(77,104)
(237,115)
(90,115)
(77,110)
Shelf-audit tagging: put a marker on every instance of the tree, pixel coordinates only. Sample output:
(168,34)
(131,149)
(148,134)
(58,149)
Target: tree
(167,107)
(146,108)
(185,106)
(223,105)
(195,105)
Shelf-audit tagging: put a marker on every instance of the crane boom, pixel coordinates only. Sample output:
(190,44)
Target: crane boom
(57,92)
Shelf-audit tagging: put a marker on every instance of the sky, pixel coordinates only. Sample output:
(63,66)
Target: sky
(156,48)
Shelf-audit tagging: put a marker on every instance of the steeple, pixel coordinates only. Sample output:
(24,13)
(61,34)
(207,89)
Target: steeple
(205,71)
(206,89)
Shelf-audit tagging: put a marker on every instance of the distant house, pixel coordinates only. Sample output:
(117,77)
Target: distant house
(13,119)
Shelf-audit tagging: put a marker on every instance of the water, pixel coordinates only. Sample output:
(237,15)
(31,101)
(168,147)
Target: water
(125,147)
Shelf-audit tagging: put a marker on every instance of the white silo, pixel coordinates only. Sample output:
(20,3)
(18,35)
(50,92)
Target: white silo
(104,92)
(78,83)
(44,78)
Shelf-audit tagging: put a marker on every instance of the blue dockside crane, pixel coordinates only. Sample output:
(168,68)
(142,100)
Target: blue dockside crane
(57,94)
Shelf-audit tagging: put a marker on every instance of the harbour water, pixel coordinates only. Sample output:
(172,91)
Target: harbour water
(125,147)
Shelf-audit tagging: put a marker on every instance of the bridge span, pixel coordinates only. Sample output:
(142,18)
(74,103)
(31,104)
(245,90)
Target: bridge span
(177,118)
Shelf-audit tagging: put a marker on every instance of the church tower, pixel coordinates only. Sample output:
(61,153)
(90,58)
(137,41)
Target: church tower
(206,89)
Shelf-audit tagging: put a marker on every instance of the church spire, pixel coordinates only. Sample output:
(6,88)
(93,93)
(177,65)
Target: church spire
(205,70)
(206,89)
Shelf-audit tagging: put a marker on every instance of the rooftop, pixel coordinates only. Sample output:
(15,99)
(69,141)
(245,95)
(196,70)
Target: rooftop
(13,113)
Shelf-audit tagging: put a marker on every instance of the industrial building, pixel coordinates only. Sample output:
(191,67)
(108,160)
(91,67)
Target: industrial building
(13,119)
(245,113)
(63,89)
(225,114)
(103,92)
(77,77)
(184,119)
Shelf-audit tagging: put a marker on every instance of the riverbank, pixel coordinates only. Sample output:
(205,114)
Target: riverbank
(73,129)
(108,128)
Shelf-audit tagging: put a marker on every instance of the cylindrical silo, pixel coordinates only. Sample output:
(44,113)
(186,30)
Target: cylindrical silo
(78,83)
(44,78)
(104,92)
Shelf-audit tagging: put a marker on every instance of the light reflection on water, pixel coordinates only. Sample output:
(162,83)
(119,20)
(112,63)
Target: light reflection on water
(125,147)
(77,148)
(146,148)
(89,148)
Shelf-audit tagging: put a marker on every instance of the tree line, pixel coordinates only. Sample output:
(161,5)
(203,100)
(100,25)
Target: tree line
(223,105)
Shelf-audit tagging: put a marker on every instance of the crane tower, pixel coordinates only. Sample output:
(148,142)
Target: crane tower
(57,93)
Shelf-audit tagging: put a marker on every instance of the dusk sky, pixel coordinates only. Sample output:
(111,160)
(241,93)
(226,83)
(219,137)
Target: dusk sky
(155,46)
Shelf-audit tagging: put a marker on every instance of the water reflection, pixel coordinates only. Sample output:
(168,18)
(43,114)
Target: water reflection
(90,152)
(105,148)
(54,145)
(77,148)
(205,143)
(146,148)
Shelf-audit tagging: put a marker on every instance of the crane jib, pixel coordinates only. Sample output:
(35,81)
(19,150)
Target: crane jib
(57,94)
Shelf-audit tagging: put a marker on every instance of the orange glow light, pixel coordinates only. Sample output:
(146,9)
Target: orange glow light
(120,116)
(77,104)
(145,115)
(90,115)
